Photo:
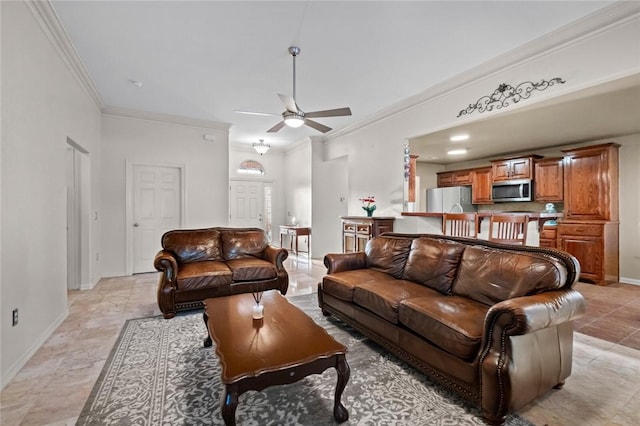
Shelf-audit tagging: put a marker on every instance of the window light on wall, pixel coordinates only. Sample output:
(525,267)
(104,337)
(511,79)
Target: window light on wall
(250,167)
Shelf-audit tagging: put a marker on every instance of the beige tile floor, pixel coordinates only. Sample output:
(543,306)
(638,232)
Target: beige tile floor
(53,386)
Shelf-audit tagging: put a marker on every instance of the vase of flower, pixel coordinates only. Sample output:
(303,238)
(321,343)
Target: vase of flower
(368,205)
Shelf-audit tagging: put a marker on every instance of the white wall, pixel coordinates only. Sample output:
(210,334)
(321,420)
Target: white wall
(629,209)
(428,179)
(206,166)
(298,183)
(587,56)
(43,104)
(330,189)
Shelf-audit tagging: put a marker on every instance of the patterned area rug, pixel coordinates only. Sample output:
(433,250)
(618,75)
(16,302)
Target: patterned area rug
(159,374)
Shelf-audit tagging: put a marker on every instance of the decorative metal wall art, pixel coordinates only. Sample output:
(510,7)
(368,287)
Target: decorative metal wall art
(407,161)
(506,94)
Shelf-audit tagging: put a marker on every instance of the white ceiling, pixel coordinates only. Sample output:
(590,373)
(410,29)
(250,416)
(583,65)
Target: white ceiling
(205,59)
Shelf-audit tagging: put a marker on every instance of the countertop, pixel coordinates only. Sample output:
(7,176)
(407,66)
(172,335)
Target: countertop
(540,217)
(532,215)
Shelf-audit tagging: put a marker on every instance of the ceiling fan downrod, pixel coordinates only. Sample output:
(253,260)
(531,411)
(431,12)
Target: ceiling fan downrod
(294,51)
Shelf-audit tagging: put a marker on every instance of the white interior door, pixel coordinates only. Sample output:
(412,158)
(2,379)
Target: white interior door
(246,207)
(157,208)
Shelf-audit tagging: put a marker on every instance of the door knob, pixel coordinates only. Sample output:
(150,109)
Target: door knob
(136,224)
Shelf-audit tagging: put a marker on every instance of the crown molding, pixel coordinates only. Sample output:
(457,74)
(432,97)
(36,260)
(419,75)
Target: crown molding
(595,23)
(165,118)
(50,23)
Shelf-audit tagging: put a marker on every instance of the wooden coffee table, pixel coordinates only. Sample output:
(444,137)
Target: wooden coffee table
(283,347)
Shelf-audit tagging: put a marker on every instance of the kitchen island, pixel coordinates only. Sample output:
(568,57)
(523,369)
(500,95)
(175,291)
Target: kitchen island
(431,223)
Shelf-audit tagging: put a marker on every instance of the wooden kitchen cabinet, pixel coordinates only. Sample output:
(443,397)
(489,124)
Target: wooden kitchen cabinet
(358,230)
(549,180)
(595,245)
(549,236)
(590,228)
(462,177)
(513,168)
(591,183)
(455,178)
(481,184)
(445,179)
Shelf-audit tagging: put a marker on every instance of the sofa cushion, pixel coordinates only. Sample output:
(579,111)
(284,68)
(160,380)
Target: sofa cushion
(193,245)
(341,284)
(243,243)
(490,275)
(205,274)
(388,254)
(252,269)
(433,262)
(452,323)
(383,297)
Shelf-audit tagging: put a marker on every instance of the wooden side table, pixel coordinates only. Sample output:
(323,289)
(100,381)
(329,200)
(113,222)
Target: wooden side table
(293,233)
(357,230)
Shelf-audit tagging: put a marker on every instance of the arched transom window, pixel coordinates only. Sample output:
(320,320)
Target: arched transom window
(250,167)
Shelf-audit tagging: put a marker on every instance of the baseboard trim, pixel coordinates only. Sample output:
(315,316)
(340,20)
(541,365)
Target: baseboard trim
(631,281)
(7,376)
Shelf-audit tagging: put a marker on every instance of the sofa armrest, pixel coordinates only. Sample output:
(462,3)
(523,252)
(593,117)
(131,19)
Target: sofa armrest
(338,262)
(523,315)
(166,262)
(277,256)
(526,349)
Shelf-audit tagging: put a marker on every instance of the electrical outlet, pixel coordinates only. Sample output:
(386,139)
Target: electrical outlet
(15,318)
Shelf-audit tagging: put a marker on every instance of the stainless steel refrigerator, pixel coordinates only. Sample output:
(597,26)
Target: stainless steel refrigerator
(454,199)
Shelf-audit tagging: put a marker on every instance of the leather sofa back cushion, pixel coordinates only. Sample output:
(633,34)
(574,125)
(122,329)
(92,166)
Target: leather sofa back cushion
(193,245)
(433,262)
(243,243)
(388,254)
(490,276)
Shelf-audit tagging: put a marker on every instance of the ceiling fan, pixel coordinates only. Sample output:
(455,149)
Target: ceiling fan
(293,116)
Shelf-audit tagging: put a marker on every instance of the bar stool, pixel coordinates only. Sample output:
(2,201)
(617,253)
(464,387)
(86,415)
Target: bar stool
(509,229)
(460,224)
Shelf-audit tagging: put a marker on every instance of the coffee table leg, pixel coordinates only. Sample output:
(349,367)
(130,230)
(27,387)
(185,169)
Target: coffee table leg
(207,340)
(228,404)
(340,413)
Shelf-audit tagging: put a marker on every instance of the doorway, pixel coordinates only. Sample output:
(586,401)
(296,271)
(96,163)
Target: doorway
(250,204)
(78,191)
(155,206)
(73,218)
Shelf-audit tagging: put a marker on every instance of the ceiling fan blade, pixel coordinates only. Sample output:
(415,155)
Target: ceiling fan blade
(289,103)
(257,113)
(276,128)
(320,127)
(338,112)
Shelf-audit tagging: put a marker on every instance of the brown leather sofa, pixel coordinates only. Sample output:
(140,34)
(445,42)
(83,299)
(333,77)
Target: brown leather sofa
(492,322)
(200,263)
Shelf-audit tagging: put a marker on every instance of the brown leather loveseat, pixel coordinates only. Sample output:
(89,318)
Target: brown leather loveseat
(490,321)
(200,263)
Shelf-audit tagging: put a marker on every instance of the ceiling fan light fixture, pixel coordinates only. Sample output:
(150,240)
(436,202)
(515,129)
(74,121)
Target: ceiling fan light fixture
(261,148)
(294,120)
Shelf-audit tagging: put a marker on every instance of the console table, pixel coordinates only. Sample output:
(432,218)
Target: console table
(357,230)
(294,232)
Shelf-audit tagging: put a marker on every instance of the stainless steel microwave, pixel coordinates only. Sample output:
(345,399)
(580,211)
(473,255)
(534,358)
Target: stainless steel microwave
(512,190)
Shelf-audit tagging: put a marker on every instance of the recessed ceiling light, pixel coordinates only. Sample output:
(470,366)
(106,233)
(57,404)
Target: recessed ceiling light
(136,83)
(458,138)
(457,151)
